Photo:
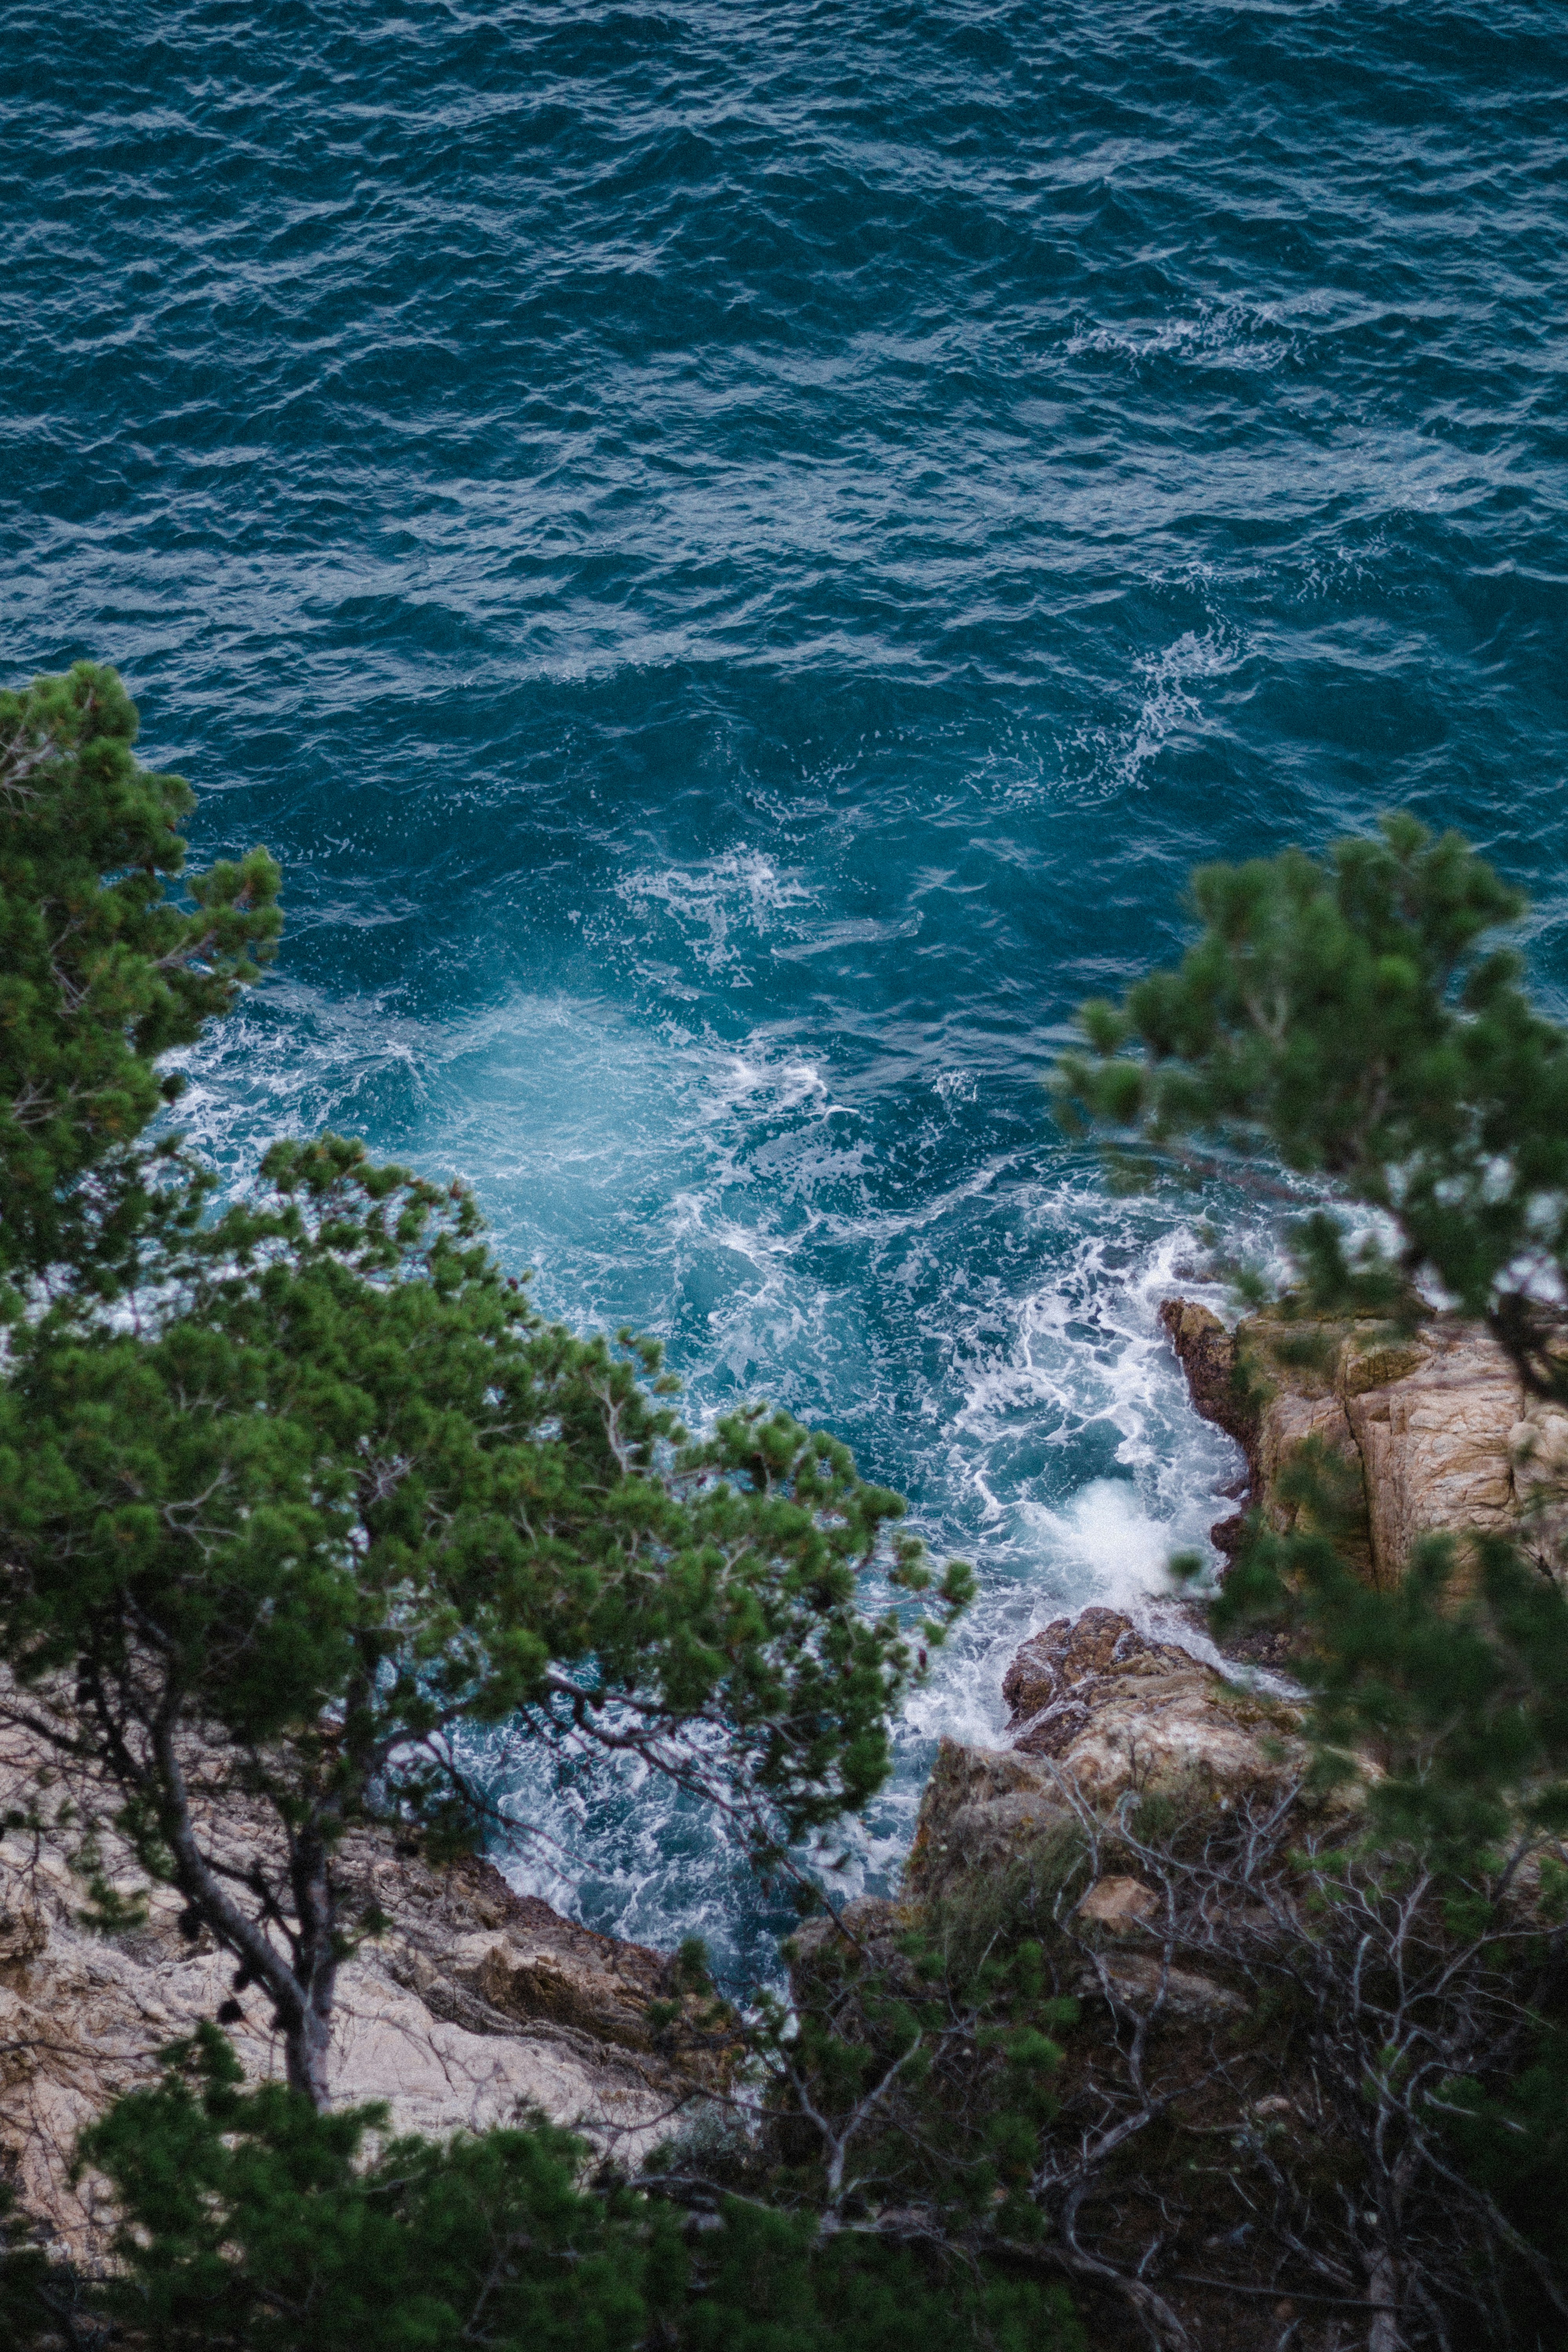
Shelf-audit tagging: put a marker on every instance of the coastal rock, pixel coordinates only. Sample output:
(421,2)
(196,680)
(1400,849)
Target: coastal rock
(1121,1905)
(866,1934)
(982,1809)
(1098,1708)
(478,2006)
(1116,1709)
(1138,1984)
(1434,1427)
(1207,1353)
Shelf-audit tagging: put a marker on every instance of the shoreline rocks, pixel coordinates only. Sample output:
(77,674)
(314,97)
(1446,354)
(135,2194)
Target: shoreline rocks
(1118,1707)
(1434,1427)
(1099,1709)
(477,2005)
(1437,1435)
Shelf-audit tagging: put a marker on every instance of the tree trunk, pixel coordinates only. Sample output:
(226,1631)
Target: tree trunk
(1384,2335)
(301,1994)
(307,2031)
(307,2045)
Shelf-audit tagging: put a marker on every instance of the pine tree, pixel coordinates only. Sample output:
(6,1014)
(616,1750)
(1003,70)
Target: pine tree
(1353,1018)
(292,1495)
(101,971)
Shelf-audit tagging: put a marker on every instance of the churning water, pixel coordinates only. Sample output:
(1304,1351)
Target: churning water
(738,552)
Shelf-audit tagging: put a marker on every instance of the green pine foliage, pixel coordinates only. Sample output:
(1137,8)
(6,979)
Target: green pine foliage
(339,1465)
(252,2223)
(920,2070)
(251,2220)
(768,2281)
(1353,1018)
(102,970)
(293,1495)
(32,2289)
(1512,2141)
(335,1492)
(1454,1679)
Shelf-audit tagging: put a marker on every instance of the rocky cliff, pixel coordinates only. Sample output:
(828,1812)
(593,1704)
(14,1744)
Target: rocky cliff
(1434,1427)
(1438,1435)
(1097,1709)
(477,2005)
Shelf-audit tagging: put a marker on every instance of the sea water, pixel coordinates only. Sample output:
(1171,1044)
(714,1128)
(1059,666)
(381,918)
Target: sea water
(738,553)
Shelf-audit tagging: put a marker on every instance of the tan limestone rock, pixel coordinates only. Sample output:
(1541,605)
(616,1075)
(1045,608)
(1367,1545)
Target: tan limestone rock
(477,2005)
(1289,1420)
(871,1923)
(866,1934)
(1122,1905)
(1433,1424)
(1119,1710)
(1434,1444)
(982,1809)
(1538,1448)
(1206,1351)
(1099,1709)
(1138,1983)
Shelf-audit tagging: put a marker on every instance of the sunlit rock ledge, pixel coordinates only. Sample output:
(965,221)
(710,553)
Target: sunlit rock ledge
(1099,1711)
(1436,1427)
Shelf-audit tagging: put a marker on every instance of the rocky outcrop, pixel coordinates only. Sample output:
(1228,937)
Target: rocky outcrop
(1097,1709)
(1433,1427)
(1207,1354)
(476,2006)
(1187,1996)
(1117,1709)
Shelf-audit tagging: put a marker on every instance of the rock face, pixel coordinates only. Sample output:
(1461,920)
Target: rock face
(1188,1995)
(477,2005)
(1098,1708)
(1121,1905)
(1117,1708)
(1435,1433)
(1435,1429)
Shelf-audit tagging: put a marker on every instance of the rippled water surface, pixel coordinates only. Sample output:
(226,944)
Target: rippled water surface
(738,553)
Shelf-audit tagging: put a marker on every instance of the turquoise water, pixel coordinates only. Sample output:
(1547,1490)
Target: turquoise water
(738,554)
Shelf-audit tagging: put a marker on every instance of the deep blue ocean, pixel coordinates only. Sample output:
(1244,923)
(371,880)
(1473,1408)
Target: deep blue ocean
(738,552)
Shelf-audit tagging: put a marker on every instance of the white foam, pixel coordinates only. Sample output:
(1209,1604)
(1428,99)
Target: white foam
(716,901)
(990,1330)
(1116,758)
(1119,1548)
(1222,334)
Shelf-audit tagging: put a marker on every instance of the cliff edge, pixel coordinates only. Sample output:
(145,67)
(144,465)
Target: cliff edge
(477,2005)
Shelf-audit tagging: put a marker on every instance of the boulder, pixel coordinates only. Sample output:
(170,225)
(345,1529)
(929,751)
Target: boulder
(1137,1984)
(1117,1710)
(1097,1709)
(866,1934)
(982,1810)
(1121,1905)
